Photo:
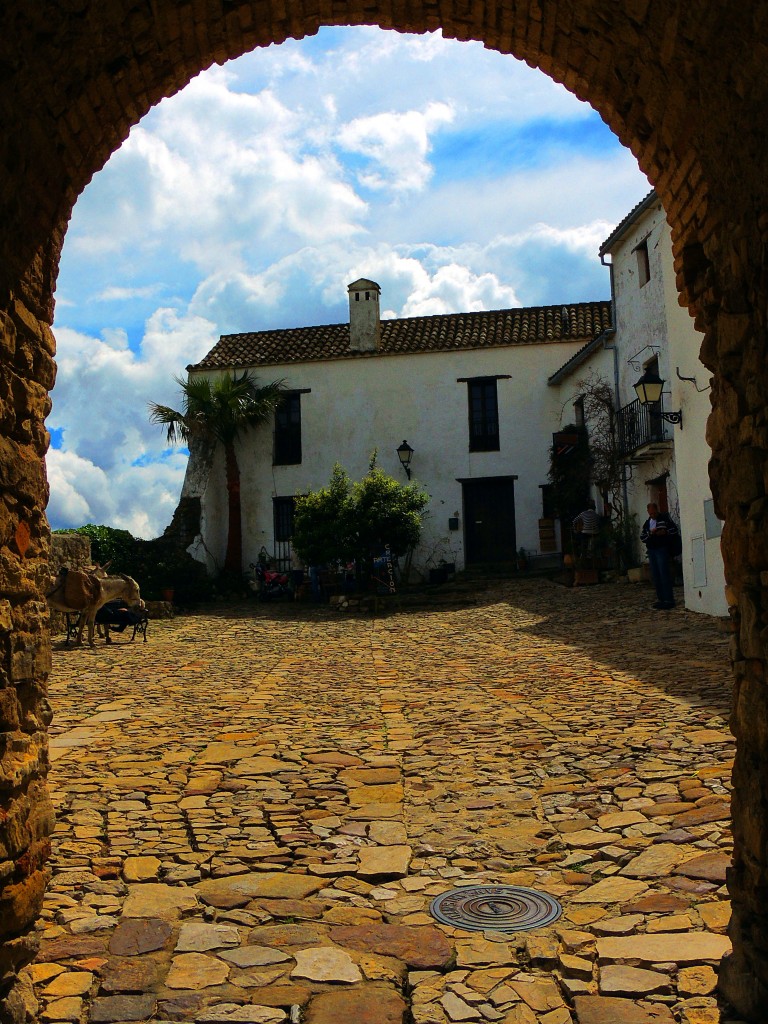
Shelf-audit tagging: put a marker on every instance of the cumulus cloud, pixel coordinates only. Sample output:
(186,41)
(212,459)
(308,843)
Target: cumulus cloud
(138,498)
(454,287)
(396,145)
(112,465)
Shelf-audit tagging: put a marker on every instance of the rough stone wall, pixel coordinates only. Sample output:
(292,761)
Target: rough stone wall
(70,549)
(734,301)
(26,816)
(74,551)
(681,82)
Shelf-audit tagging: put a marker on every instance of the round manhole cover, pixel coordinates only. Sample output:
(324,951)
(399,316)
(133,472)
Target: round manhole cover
(496,908)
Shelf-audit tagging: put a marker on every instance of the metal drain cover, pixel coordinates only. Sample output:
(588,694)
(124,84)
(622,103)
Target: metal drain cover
(495,908)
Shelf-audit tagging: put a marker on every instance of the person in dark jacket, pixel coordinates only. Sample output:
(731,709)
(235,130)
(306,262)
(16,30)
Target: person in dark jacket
(657,531)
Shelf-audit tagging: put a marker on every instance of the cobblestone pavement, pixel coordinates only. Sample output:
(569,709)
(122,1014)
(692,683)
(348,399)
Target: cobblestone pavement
(257,807)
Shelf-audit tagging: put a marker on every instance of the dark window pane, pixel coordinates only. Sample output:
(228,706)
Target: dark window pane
(282,522)
(483,416)
(288,431)
(283,518)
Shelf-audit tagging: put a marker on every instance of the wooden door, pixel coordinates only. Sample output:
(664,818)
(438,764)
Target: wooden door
(489,519)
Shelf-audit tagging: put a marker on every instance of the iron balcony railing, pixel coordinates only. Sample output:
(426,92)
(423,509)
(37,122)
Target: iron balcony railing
(639,425)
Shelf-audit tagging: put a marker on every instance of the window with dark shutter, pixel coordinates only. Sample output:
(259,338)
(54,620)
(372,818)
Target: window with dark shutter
(643,263)
(288,431)
(483,415)
(282,523)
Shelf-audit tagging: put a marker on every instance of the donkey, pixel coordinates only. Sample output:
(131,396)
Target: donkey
(83,592)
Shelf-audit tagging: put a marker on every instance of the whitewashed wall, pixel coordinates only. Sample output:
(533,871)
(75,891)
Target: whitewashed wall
(703,570)
(650,322)
(356,405)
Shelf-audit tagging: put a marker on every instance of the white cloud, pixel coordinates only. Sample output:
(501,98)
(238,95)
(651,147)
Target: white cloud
(69,477)
(94,476)
(454,287)
(396,145)
(117,294)
(140,499)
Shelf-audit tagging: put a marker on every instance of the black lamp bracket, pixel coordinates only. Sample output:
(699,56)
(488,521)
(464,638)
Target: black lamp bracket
(692,380)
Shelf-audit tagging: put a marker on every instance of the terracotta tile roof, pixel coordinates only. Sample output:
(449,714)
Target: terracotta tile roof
(448,332)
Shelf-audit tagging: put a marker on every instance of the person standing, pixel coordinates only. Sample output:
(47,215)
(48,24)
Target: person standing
(657,531)
(586,526)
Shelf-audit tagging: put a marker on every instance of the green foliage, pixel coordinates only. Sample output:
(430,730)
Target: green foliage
(220,410)
(159,565)
(349,522)
(323,522)
(109,545)
(386,512)
(217,409)
(570,476)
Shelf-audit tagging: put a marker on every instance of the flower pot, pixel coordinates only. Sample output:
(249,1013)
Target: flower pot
(167,594)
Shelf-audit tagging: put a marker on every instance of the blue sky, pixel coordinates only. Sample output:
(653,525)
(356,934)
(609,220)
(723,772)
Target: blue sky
(456,177)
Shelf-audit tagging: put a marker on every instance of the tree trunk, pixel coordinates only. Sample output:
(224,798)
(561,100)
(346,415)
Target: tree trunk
(233,561)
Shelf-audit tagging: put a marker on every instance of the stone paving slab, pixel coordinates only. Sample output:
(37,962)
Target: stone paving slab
(256,808)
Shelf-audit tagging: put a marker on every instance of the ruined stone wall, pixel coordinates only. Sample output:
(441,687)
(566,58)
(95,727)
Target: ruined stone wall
(72,550)
(681,82)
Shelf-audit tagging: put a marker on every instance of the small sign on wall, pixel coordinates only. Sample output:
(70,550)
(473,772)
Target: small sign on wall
(713,527)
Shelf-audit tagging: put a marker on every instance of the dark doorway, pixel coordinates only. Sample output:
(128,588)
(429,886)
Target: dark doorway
(489,519)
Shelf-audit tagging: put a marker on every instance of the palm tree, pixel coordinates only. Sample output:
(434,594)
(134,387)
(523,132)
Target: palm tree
(220,410)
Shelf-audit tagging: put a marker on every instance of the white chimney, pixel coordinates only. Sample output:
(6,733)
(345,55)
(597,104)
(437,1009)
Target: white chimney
(364,316)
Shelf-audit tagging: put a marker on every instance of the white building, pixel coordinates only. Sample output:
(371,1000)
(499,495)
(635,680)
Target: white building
(666,462)
(478,397)
(466,390)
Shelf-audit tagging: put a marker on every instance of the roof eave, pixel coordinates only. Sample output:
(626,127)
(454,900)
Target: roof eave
(634,215)
(578,358)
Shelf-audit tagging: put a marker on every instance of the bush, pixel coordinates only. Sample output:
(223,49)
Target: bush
(354,522)
(323,522)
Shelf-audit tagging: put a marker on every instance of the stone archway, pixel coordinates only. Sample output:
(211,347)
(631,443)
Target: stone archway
(681,83)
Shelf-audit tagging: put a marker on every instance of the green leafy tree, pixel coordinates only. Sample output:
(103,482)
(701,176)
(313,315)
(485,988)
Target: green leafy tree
(323,521)
(349,522)
(386,512)
(216,411)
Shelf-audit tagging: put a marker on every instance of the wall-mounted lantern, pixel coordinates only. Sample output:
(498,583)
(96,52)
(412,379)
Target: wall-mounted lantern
(405,454)
(649,389)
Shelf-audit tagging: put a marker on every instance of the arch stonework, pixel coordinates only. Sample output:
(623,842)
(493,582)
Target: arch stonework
(681,82)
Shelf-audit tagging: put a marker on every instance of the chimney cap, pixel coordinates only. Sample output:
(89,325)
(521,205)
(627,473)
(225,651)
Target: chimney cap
(363,284)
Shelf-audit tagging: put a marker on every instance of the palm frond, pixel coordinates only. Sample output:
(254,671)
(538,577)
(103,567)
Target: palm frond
(218,408)
(174,422)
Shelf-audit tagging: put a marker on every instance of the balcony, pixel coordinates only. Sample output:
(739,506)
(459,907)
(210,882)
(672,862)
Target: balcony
(643,434)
